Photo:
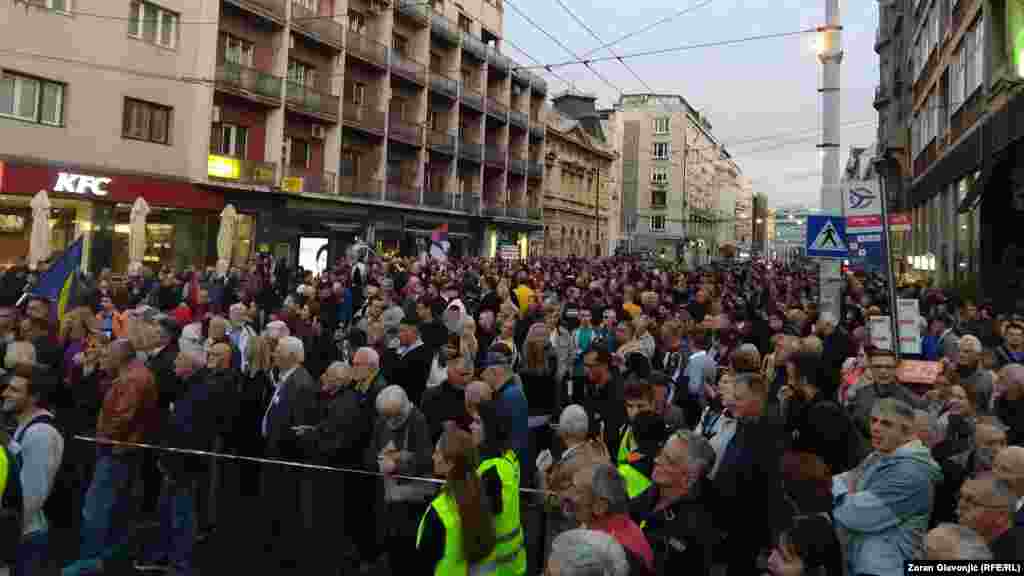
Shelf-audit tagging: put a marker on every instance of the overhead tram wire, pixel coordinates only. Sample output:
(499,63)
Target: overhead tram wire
(561,45)
(651,26)
(570,84)
(683,48)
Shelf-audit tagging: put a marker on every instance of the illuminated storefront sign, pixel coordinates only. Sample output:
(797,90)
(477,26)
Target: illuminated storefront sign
(70,183)
(223,167)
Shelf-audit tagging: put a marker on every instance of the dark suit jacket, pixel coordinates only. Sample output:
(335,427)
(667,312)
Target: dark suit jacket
(297,407)
(168,385)
(412,372)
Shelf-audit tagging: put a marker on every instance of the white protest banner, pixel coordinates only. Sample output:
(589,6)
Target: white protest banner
(910,325)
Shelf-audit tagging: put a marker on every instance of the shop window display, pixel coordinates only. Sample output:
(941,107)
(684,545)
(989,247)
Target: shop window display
(16,228)
(174,238)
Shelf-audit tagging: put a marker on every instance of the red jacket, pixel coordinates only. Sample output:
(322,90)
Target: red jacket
(130,411)
(629,535)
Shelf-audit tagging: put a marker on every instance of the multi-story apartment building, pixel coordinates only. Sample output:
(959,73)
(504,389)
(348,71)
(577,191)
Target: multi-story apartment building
(673,172)
(744,213)
(324,119)
(948,145)
(612,129)
(577,179)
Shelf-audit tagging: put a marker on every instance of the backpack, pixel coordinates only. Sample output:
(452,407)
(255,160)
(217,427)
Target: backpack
(857,447)
(57,508)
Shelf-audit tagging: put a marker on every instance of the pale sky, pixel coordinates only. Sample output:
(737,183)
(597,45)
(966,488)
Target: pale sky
(763,89)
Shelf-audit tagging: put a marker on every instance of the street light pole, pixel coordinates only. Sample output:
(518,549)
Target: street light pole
(830,54)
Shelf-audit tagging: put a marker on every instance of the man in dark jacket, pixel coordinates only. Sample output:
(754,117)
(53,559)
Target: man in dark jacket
(749,477)
(837,348)
(413,360)
(603,400)
(448,401)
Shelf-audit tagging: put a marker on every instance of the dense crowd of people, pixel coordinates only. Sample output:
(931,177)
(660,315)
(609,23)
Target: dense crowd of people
(617,416)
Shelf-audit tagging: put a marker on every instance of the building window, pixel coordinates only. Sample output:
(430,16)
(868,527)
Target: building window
(662,150)
(146,121)
(238,51)
(301,74)
(153,24)
(55,5)
(31,99)
(400,44)
(465,24)
(229,140)
(356,22)
(357,93)
(659,176)
(311,5)
(658,223)
(956,80)
(979,51)
(300,153)
(661,125)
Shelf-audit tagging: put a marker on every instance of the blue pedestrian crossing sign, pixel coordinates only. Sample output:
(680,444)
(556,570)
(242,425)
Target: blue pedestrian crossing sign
(826,236)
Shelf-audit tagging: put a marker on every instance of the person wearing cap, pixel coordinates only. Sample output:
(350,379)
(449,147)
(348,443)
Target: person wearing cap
(509,400)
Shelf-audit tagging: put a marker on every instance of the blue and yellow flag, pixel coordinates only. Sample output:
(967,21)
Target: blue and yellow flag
(60,282)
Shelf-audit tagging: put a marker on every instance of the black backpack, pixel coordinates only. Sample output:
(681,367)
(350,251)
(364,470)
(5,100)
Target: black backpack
(12,508)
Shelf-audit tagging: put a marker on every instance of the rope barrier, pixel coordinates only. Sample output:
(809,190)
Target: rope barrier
(287,463)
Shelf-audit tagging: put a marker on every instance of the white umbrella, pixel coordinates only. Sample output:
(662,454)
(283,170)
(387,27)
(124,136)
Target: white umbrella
(39,242)
(137,233)
(226,237)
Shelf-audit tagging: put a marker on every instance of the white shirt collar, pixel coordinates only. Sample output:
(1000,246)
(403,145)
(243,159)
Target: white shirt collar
(1020,503)
(285,375)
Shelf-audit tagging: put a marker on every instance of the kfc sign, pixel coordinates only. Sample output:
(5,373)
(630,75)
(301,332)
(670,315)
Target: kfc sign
(81,184)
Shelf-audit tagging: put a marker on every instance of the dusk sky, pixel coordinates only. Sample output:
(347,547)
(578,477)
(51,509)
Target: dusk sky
(765,90)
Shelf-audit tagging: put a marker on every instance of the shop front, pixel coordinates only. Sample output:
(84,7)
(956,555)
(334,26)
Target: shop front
(181,228)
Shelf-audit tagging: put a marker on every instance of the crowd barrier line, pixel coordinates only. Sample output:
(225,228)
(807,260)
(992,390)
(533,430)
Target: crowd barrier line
(273,461)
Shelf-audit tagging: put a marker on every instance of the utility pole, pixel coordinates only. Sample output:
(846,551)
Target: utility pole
(830,54)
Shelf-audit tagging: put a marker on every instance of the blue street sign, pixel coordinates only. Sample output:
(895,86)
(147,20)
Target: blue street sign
(826,236)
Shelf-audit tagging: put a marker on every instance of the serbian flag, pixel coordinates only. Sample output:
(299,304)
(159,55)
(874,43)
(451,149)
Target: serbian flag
(439,243)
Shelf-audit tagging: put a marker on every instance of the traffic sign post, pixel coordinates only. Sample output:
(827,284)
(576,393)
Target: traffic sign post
(826,237)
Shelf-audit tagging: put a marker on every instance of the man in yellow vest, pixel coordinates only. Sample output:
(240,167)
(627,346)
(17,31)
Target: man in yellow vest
(639,395)
(499,472)
(648,433)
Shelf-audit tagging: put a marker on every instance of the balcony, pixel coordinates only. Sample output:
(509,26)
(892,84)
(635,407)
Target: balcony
(402,192)
(270,9)
(249,82)
(498,62)
(405,67)
(538,85)
(536,170)
(415,11)
(367,50)
(881,97)
(497,110)
(472,99)
(442,142)
(518,119)
(659,202)
(437,198)
(239,171)
(444,85)
(536,130)
(302,180)
(444,29)
(309,100)
(355,187)
(364,117)
(470,151)
(319,28)
(517,166)
(495,157)
(517,211)
(399,129)
(474,46)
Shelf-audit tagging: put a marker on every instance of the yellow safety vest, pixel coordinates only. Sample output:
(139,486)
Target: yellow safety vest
(627,444)
(453,563)
(510,549)
(636,482)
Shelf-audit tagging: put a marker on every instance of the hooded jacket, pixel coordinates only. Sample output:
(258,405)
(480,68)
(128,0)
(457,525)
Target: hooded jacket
(887,516)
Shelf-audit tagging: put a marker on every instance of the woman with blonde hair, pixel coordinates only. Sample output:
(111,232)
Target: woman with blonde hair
(76,328)
(456,534)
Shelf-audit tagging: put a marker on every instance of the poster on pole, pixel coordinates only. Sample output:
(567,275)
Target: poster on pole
(881,332)
(910,325)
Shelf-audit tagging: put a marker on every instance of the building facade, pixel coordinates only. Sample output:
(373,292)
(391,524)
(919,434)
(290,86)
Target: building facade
(577,184)
(951,155)
(317,119)
(674,172)
(744,213)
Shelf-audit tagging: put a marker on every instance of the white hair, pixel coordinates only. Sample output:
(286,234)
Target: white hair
(393,393)
(827,317)
(582,552)
(372,357)
(191,337)
(293,347)
(195,354)
(574,421)
(277,329)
